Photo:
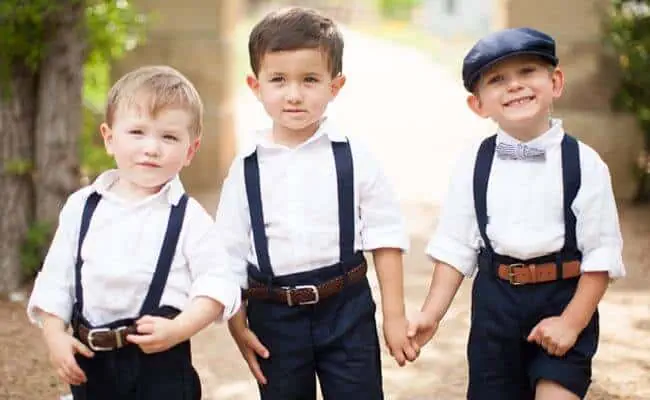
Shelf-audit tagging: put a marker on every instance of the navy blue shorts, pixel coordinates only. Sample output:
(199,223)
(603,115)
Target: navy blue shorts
(502,364)
(335,339)
(130,374)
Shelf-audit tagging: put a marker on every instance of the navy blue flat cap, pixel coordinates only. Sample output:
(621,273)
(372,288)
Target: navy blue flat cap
(503,44)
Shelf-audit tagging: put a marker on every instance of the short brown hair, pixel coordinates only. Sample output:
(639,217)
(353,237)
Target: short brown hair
(162,87)
(293,29)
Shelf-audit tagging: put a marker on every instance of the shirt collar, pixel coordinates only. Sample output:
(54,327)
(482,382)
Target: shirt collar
(553,136)
(171,191)
(262,138)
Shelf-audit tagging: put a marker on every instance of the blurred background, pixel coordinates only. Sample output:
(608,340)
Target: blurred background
(403,97)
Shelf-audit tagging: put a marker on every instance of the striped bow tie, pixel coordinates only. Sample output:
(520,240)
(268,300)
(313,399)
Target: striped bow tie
(506,151)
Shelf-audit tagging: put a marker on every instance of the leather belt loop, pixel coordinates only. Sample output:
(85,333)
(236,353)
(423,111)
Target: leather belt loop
(533,275)
(559,272)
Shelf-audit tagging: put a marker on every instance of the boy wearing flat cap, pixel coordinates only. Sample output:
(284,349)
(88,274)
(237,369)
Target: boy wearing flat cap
(531,211)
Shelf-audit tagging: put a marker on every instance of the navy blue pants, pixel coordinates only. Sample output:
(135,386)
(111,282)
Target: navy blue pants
(335,339)
(502,364)
(130,374)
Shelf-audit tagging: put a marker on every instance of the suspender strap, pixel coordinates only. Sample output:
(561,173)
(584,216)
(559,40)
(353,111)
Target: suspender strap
(89,209)
(570,185)
(166,256)
(345,184)
(254,195)
(482,168)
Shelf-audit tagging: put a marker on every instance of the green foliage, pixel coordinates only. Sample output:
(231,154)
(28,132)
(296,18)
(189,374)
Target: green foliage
(628,32)
(21,32)
(398,9)
(34,247)
(114,27)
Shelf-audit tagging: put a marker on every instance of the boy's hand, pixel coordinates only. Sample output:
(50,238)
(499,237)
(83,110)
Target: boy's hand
(155,334)
(399,345)
(555,335)
(62,347)
(422,328)
(250,347)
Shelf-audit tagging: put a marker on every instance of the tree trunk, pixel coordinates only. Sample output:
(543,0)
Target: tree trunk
(17,112)
(59,119)
(40,125)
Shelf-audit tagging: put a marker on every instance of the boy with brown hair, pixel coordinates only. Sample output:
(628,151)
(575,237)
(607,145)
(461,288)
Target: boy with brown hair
(131,267)
(297,209)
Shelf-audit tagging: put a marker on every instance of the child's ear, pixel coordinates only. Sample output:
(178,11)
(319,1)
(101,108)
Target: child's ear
(474,103)
(558,82)
(253,84)
(107,135)
(191,151)
(337,83)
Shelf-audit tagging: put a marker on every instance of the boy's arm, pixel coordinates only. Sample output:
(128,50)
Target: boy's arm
(599,238)
(388,265)
(53,290)
(444,284)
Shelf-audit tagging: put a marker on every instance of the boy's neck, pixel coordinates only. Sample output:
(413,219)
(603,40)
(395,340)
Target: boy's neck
(528,132)
(293,138)
(131,192)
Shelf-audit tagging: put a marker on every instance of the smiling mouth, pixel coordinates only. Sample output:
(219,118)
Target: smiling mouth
(519,101)
(149,165)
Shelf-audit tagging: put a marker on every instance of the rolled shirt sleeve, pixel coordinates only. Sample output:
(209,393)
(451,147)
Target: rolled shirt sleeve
(597,230)
(382,222)
(232,222)
(210,269)
(53,290)
(455,240)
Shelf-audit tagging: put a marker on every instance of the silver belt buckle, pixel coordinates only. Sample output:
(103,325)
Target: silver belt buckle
(314,290)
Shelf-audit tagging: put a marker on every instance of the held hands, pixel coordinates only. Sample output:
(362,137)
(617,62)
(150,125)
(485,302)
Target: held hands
(422,328)
(62,347)
(555,335)
(250,347)
(397,341)
(155,334)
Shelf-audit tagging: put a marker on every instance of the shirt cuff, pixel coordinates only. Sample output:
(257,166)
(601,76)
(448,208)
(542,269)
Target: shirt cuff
(51,303)
(385,238)
(449,251)
(604,259)
(223,291)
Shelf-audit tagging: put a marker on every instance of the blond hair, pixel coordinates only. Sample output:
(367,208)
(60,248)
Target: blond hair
(159,87)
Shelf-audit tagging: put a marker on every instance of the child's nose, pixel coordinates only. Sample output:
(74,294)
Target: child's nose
(293,94)
(152,147)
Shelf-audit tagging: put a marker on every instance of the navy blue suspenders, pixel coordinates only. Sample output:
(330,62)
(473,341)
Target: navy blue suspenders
(165,258)
(570,186)
(345,186)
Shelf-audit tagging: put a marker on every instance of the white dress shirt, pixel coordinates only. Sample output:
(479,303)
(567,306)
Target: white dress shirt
(120,252)
(525,209)
(300,205)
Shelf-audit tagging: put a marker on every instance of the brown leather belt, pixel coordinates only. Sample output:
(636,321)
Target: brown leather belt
(305,294)
(104,339)
(523,274)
